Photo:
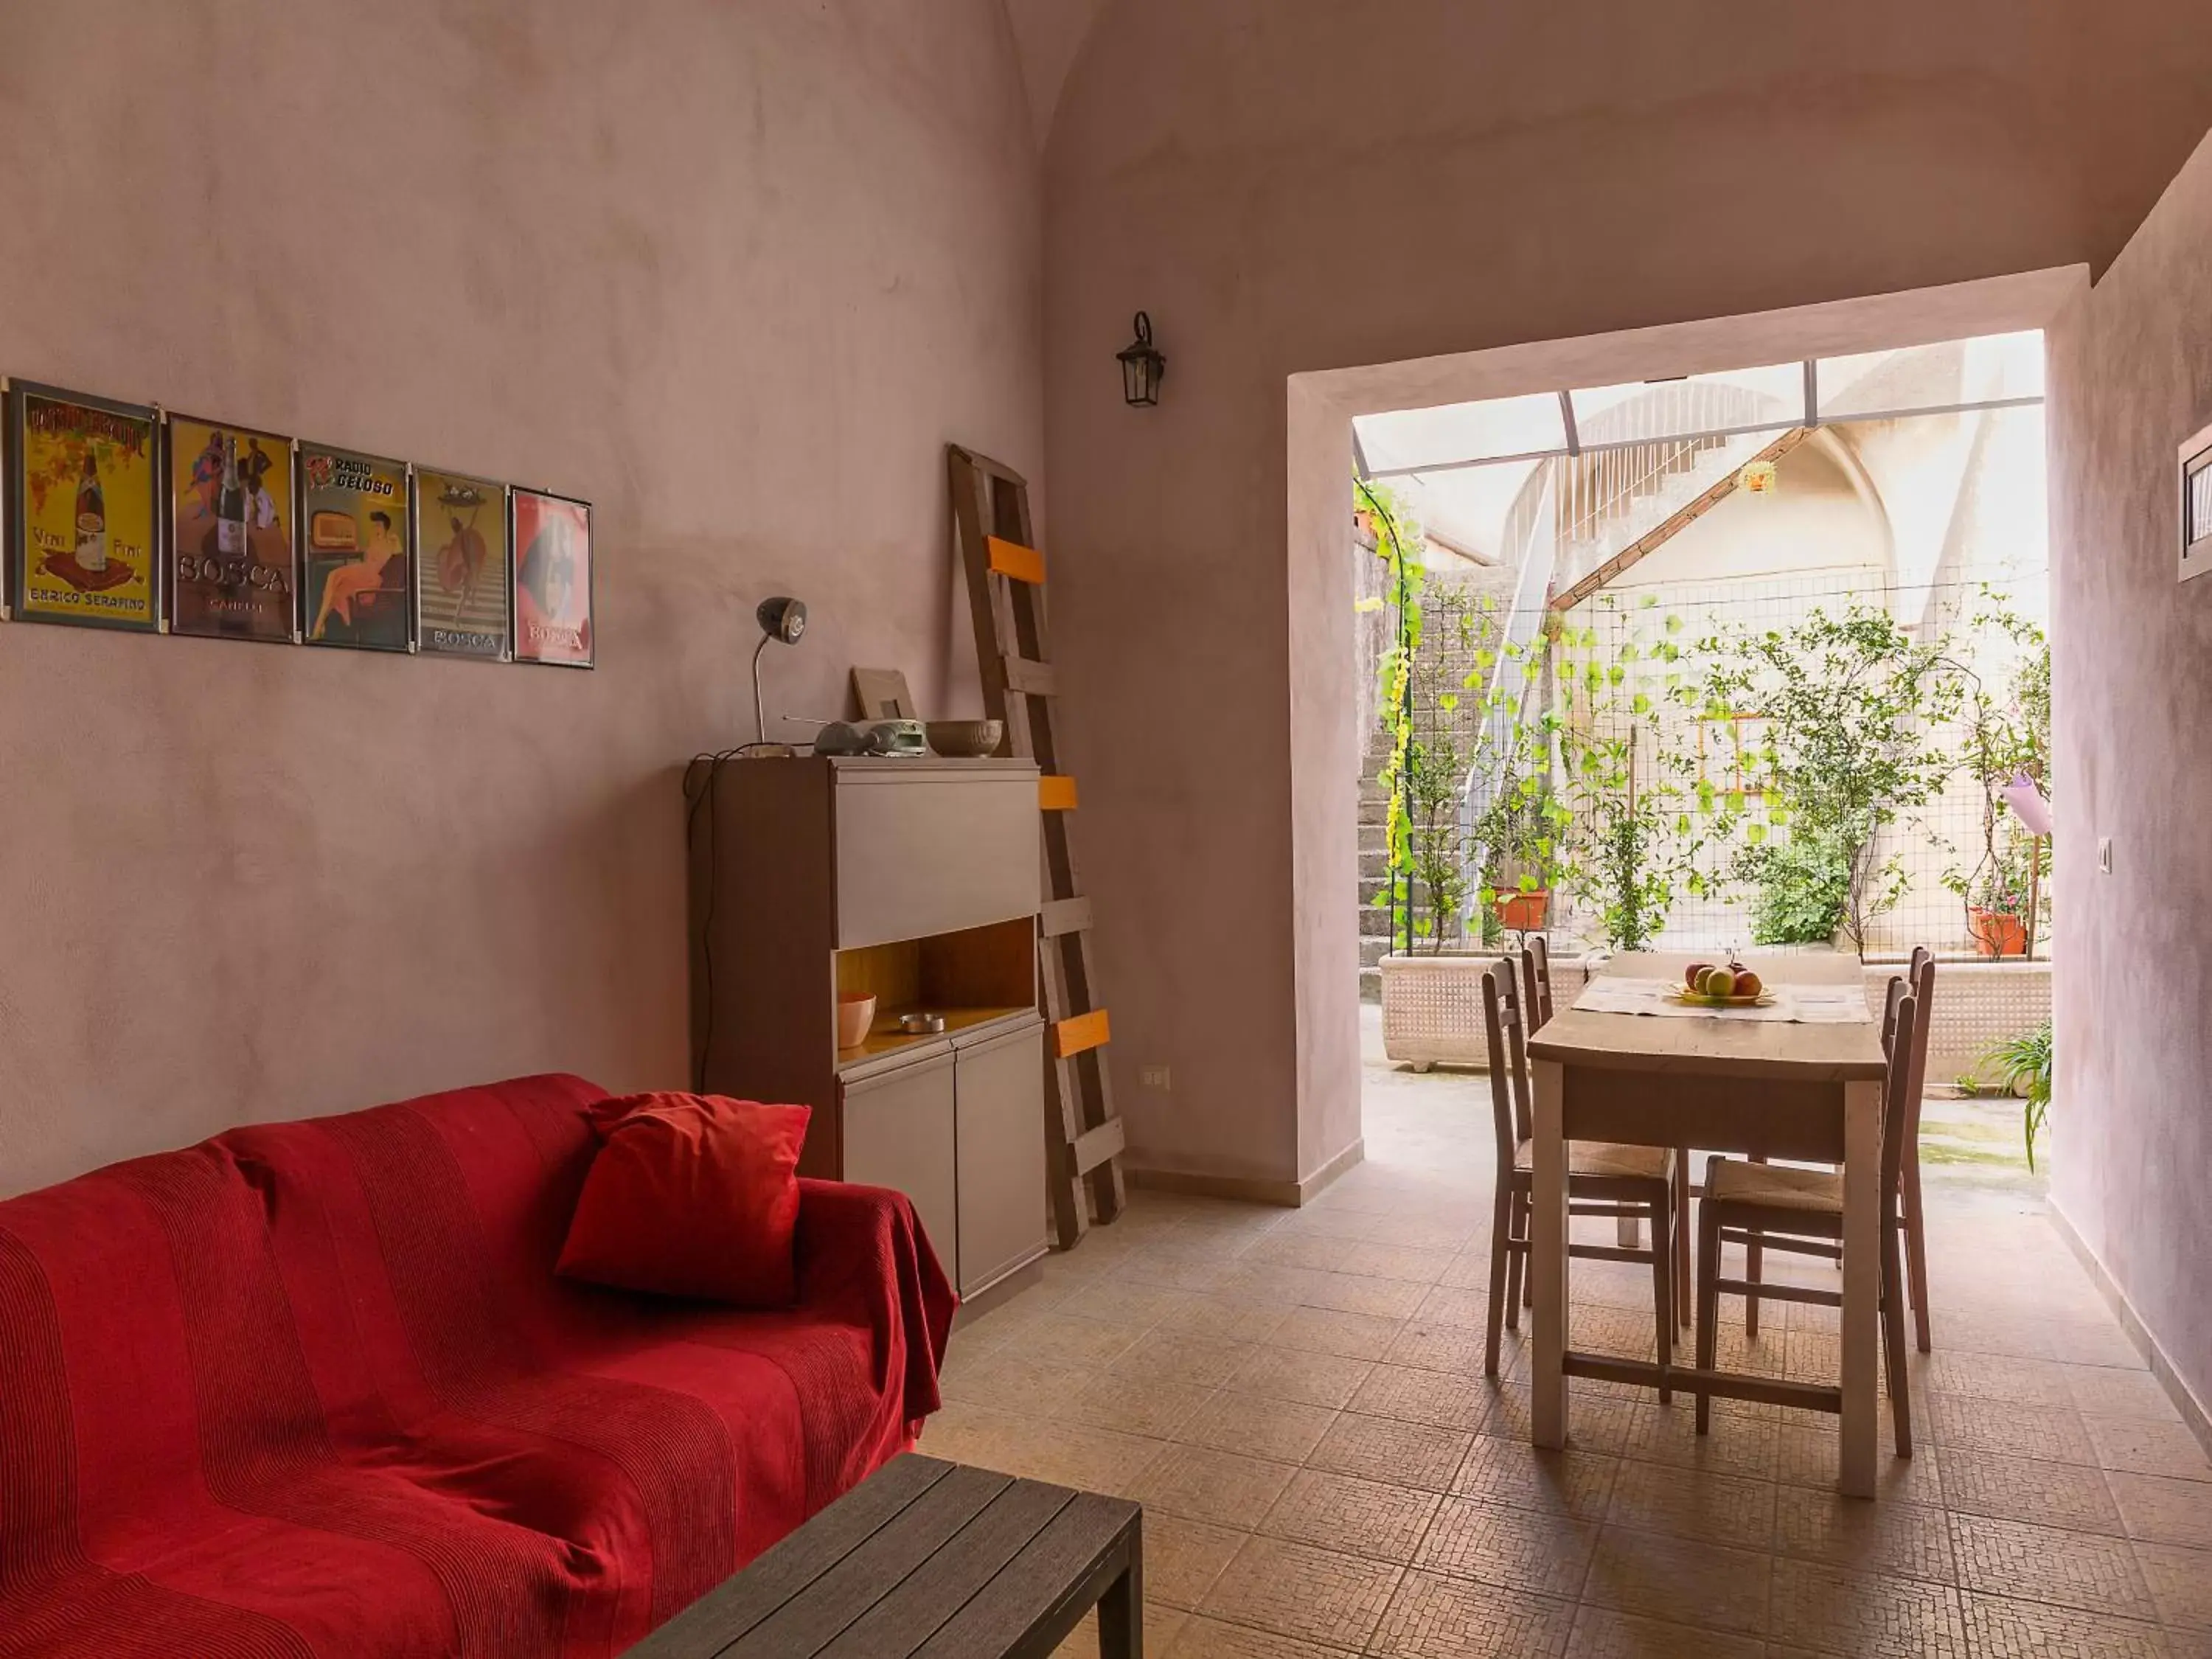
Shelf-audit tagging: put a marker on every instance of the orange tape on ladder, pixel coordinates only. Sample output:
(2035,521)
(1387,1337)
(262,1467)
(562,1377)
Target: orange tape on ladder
(1056,793)
(1081,1031)
(1014,562)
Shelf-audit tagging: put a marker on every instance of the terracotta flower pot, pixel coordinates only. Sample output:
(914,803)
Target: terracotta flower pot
(1523,913)
(1997,932)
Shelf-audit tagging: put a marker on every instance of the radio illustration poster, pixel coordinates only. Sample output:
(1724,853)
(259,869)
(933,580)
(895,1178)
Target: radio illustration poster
(83,490)
(355,556)
(233,573)
(460,539)
(552,579)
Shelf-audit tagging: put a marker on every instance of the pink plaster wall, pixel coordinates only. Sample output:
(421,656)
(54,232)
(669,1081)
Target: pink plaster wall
(2130,378)
(735,271)
(1300,185)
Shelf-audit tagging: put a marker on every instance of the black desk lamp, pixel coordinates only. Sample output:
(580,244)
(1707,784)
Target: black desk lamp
(780,618)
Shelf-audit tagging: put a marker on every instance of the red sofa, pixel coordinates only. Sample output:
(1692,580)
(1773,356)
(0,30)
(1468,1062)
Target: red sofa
(312,1389)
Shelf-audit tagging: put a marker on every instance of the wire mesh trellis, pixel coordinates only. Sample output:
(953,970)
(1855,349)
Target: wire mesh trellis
(1640,646)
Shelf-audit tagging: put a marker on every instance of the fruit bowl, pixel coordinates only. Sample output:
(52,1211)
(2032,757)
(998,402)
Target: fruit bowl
(1759,998)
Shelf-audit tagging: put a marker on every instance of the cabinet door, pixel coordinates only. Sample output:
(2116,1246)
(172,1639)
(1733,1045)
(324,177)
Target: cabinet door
(1002,1157)
(899,1132)
(933,854)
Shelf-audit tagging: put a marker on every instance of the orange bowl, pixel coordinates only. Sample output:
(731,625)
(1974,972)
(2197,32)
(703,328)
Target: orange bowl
(854,1016)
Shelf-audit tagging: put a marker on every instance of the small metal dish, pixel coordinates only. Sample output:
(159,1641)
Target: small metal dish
(921,1024)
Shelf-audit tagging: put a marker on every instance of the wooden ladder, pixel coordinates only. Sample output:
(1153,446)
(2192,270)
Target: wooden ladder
(1005,599)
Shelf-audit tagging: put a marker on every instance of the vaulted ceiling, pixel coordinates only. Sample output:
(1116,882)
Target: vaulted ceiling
(1049,33)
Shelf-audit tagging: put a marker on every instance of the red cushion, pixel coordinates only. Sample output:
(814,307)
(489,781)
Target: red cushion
(691,1195)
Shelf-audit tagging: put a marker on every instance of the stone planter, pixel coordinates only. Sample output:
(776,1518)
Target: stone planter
(1432,1005)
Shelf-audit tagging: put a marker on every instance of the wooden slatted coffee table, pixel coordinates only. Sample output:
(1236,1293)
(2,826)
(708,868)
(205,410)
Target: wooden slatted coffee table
(927,1559)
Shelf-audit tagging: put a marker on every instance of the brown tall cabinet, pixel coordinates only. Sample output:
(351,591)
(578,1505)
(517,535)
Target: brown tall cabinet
(916,881)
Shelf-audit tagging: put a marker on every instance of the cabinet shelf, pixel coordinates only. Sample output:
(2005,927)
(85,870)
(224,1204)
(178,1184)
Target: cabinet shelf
(886,1044)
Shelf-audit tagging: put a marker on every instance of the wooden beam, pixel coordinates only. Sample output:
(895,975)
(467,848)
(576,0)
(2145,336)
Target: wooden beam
(1063,917)
(1014,562)
(1093,1149)
(1056,793)
(1683,517)
(1079,1033)
(1035,678)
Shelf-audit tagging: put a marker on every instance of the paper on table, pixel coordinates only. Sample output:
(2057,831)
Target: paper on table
(1800,1005)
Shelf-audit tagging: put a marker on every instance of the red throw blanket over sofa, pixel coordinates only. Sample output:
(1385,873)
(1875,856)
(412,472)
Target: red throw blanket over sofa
(312,1389)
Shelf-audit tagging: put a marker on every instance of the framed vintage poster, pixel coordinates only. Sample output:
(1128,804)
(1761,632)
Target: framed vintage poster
(356,559)
(552,579)
(461,545)
(2196,505)
(83,493)
(233,570)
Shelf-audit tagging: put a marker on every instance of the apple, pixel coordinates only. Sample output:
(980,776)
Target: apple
(1749,984)
(1717,982)
(1694,974)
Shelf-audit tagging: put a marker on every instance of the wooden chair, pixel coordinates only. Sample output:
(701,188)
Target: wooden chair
(1603,1180)
(1801,1211)
(1920,982)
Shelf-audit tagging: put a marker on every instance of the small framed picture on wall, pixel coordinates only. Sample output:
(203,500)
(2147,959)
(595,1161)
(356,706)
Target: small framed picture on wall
(2196,505)
(232,569)
(355,550)
(552,579)
(83,512)
(461,544)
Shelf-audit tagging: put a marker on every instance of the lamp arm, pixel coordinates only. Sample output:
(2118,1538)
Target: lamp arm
(759,719)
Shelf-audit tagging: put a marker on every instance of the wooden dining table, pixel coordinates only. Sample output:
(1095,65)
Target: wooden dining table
(1773,1088)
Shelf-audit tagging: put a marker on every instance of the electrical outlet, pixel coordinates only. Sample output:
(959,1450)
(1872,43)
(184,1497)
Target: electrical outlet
(1153,1077)
(2105,855)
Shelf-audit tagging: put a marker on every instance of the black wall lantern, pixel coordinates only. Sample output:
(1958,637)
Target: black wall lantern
(1142,367)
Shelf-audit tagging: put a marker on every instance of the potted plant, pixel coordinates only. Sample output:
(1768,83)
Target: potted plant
(2009,739)
(1998,908)
(2023,1065)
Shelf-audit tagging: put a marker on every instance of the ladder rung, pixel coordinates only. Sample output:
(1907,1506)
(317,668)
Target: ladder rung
(1056,793)
(1073,1036)
(1064,916)
(1034,677)
(1014,562)
(1092,1148)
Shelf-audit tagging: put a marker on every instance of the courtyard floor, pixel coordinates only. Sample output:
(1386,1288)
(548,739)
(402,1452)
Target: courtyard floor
(1297,1399)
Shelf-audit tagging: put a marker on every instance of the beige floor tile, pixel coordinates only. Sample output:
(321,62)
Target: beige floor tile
(1211,1485)
(1226,1318)
(1740,1441)
(2137,1447)
(1134,1405)
(1547,1554)
(2157,1511)
(1403,1223)
(1434,1617)
(1406,1262)
(1175,1270)
(1401,1454)
(1360,1517)
(1362,1336)
(1417,1396)
(1294,1589)
(1453,1304)
(1008,1379)
(2098,1342)
(1084,1344)
(1907,1540)
(2052,1434)
(1596,1422)
(1278,1430)
(1998,1377)
(2000,1628)
(2109,1391)
(1208,1638)
(2180,1582)
(1809,1452)
(1455,1350)
(1680,1580)
(1603,1634)
(2081,1570)
(1513,1473)
(1823,1609)
(1182,1558)
(1720,1508)
(1312,1379)
(1162,1626)
(1359,1293)
(2021,1489)
(1122,1301)
(1181,1357)
(1323,1251)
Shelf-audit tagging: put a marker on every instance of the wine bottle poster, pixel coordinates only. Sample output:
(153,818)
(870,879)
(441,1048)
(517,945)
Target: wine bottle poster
(233,573)
(355,556)
(83,491)
(552,579)
(460,540)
